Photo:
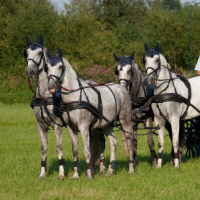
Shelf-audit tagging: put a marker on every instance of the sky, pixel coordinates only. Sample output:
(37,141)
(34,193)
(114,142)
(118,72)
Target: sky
(60,3)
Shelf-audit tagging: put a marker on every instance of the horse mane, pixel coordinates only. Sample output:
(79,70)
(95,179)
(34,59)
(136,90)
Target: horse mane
(164,61)
(69,67)
(134,65)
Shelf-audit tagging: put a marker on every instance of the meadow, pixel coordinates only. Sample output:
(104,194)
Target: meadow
(20,167)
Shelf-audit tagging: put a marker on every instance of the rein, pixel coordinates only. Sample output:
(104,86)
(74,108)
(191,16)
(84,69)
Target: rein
(89,86)
(100,71)
(30,85)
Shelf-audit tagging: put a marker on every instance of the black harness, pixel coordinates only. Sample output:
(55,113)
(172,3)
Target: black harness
(161,98)
(96,112)
(55,100)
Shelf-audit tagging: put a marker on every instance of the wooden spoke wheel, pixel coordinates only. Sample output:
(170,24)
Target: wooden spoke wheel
(192,138)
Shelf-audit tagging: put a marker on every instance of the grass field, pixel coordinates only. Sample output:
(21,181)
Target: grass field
(20,167)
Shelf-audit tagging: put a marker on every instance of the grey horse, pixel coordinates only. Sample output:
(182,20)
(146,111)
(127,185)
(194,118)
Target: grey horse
(45,106)
(80,103)
(48,114)
(169,86)
(133,80)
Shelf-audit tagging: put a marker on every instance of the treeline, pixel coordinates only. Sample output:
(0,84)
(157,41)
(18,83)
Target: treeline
(90,31)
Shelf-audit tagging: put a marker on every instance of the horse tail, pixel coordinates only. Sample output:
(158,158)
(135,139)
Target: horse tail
(95,147)
(124,145)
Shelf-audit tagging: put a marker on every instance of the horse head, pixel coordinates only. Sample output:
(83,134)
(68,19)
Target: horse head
(55,69)
(124,69)
(152,62)
(34,55)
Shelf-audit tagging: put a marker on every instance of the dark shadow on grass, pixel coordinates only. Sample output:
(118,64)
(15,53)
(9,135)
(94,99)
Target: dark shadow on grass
(120,165)
(53,167)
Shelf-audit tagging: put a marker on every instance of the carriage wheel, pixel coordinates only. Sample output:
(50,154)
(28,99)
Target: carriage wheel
(192,138)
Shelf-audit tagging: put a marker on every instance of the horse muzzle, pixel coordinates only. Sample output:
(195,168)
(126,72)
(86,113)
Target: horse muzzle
(52,86)
(123,83)
(150,80)
(30,73)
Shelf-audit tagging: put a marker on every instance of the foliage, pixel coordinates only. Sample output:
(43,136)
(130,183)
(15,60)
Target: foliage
(89,32)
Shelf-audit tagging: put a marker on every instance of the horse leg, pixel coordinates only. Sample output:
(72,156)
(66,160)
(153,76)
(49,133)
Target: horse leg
(128,132)
(113,147)
(74,139)
(135,147)
(59,150)
(161,122)
(150,141)
(169,129)
(42,129)
(181,140)
(85,133)
(175,139)
(102,149)
(135,134)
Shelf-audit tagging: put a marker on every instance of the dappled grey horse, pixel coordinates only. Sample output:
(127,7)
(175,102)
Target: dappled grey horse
(81,104)
(132,79)
(175,98)
(45,104)
(46,110)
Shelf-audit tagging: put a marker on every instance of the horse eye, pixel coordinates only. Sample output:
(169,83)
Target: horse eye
(40,53)
(157,60)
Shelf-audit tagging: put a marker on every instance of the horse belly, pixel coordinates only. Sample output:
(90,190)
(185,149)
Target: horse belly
(195,97)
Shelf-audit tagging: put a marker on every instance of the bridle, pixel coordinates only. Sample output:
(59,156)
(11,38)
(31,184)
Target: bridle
(152,53)
(51,76)
(121,62)
(42,57)
(36,64)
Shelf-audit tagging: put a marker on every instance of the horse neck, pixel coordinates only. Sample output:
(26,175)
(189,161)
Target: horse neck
(137,88)
(70,83)
(163,74)
(41,82)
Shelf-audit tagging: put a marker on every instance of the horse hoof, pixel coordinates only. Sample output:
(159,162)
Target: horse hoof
(89,178)
(131,172)
(75,177)
(41,177)
(158,166)
(109,174)
(61,177)
(101,172)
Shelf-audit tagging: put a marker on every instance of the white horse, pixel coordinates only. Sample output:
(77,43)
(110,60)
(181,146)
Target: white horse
(168,86)
(45,113)
(115,102)
(133,80)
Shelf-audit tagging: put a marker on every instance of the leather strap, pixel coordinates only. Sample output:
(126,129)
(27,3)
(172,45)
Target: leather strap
(176,155)
(61,162)
(159,155)
(88,166)
(75,163)
(43,163)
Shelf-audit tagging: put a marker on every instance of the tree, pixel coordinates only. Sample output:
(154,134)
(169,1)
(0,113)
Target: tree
(172,5)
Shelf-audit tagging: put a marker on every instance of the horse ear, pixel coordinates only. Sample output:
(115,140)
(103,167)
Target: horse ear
(132,56)
(28,40)
(146,47)
(59,53)
(25,53)
(157,47)
(116,71)
(49,53)
(116,57)
(41,40)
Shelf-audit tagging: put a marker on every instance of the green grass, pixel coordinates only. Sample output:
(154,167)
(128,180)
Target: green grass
(20,167)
